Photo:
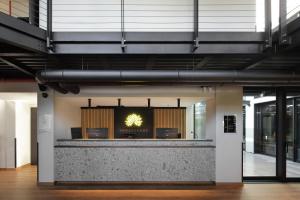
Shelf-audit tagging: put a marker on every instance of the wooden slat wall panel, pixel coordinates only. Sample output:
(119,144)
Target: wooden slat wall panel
(98,118)
(170,118)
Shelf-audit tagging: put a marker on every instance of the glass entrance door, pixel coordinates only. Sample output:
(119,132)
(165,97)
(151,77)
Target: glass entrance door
(259,152)
(266,156)
(269,134)
(292,138)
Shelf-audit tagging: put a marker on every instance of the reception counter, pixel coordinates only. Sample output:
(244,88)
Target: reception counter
(135,161)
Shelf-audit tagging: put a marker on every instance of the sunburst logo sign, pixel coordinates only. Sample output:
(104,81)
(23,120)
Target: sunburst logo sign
(133,120)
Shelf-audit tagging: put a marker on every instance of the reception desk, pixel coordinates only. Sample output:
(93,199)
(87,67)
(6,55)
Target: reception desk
(135,161)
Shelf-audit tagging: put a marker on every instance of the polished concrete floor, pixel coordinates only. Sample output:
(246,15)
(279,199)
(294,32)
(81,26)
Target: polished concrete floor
(263,165)
(20,184)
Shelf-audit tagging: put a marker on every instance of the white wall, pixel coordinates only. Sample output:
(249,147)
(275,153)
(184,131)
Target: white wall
(15,123)
(150,15)
(17,87)
(66,115)
(2,135)
(229,101)
(10,131)
(23,133)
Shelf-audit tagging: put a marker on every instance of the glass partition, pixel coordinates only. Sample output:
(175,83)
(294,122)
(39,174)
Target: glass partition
(292,137)
(199,120)
(259,148)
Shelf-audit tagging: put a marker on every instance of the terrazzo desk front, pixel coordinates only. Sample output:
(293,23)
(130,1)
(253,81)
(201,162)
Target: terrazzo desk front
(103,161)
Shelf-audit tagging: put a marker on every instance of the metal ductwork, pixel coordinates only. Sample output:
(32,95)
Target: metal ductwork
(56,87)
(66,81)
(201,76)
(74,89)
(63,88)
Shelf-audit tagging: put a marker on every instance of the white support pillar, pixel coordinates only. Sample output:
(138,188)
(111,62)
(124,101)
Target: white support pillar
(45,113)
(229,101)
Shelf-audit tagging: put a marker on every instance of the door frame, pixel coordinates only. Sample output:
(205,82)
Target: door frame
(281,126)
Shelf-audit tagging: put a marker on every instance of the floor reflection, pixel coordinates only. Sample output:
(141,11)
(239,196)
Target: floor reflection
(263,165)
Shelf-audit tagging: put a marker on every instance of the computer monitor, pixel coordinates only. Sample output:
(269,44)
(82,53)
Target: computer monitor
(76,133)
(167,133)
(97,133)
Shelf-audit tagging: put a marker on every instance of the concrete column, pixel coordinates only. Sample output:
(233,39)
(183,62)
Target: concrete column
(211,119)
(229,101)
(45,131)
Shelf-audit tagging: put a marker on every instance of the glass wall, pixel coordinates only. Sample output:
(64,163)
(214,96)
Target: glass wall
(292,137)
(297,133)
(265,128)
(259,148)
(260,135)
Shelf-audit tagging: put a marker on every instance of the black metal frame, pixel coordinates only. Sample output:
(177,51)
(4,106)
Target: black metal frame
(281,126)
(19,33)
(123,35)
(151,42)
(17,65)
(50,47)
(268,24)
(196,25)
(294,131)
(15,152)
(280,133)
(158,43)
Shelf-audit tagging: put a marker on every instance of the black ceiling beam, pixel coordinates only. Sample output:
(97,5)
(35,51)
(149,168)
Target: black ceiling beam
(123,34)
(257,62)
(21,34)
(158,43)
(30,55)
(203,62)
(293,30)
(49,40)
(17,65)
(157,37)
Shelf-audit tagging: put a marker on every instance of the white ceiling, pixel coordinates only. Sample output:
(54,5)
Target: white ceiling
(29,98)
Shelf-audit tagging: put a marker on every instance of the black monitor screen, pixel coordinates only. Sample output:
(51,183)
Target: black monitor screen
(76,133)
(97,133)
(167,133)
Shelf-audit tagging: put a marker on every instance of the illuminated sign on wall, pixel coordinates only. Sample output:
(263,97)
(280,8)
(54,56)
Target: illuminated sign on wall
(133,120)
